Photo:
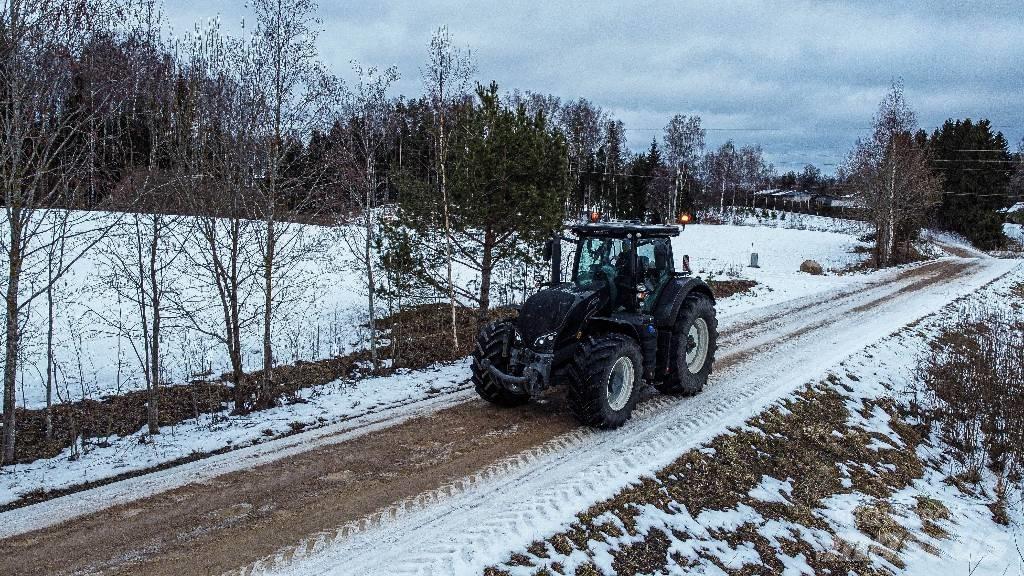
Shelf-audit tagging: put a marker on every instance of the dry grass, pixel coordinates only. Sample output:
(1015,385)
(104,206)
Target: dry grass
(805,442)
(726,288)
(972,386)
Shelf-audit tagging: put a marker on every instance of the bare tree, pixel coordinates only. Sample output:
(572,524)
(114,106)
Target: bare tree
(447,77)
(371,115)
(684,144)
(282,72)
(137,267)
(582,122)
(41,45)
(216,155)
(891,169)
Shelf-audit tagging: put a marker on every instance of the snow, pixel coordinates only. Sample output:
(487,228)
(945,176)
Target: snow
(478,525)
(976,544)
(718,251)
(723,253)
(1014,232)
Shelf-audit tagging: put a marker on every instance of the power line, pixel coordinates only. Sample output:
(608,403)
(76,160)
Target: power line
(715,129)
(965,160)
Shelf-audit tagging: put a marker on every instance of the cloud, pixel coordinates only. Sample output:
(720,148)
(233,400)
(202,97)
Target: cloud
(813,71)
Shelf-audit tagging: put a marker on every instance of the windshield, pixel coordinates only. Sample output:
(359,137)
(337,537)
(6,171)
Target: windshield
(597,259)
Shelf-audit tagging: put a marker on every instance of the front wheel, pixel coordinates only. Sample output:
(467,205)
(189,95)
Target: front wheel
(491,346)
(694,342)
(605,380)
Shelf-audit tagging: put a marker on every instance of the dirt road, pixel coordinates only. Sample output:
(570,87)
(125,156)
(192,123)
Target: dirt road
(297,506)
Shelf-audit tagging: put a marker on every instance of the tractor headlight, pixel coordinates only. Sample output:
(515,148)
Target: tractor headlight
(544,340)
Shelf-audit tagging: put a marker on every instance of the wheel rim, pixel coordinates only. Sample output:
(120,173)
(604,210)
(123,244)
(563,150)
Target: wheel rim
(620,383)
(697,346)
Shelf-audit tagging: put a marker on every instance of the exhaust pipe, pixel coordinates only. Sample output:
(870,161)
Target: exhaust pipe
(556,260)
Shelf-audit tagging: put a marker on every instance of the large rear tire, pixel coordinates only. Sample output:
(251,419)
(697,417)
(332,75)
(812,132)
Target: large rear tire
(490,345)
(694,343)
(605,380)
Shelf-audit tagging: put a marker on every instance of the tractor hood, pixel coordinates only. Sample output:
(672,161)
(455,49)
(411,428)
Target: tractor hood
(552,310)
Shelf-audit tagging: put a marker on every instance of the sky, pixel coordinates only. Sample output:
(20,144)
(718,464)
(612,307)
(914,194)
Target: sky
(801,79)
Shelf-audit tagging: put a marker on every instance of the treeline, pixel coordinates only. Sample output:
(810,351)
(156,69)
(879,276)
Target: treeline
(957,178)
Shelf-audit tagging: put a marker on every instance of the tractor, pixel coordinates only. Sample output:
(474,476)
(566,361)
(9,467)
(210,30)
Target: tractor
(625,317)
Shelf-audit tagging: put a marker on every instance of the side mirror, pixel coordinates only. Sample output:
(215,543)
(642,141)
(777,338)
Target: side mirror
(547,250)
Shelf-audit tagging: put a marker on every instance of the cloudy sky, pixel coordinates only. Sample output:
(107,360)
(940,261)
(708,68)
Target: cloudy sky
(802,79)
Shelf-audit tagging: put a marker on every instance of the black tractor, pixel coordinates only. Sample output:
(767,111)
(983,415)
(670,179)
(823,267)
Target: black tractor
(625,317)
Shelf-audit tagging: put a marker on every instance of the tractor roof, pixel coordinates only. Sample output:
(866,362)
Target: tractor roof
(623,229)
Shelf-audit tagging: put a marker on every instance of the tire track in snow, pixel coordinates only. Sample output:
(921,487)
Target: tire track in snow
(463,526)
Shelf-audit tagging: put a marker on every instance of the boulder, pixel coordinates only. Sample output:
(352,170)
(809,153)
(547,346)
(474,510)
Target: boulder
(811,267)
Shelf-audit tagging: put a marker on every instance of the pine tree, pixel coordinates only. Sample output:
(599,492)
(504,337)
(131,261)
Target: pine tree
(975,164)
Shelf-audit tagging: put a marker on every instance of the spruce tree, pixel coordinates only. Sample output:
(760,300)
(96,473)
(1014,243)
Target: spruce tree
(975,165)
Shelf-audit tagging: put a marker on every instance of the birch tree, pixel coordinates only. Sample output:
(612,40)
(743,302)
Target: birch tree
(447,79)
(684,144)
(282,72)
(891,169)
(217,162)
(371,115)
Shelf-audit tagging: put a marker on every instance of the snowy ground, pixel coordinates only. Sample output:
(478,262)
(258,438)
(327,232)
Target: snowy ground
(337,402)
(325,313)
(767,359)
(723,252)
(716,252)
(1014,232)
(937,527)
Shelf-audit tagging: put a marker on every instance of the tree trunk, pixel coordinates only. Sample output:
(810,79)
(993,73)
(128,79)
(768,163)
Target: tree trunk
(486,268)
(447,231)
(233,325)
(267,384)
(152,408)
(49,356)
(12,334)
(368,255)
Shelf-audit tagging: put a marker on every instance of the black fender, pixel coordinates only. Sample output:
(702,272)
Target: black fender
(672,297)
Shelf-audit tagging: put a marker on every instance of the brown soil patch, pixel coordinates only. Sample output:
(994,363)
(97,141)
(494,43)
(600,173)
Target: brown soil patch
(241,517)
(725,288)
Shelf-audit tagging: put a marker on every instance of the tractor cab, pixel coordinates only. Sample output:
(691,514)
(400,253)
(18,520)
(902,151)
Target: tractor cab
(633,261)
(629,261)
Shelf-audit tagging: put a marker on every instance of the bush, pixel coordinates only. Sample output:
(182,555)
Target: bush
(972,386)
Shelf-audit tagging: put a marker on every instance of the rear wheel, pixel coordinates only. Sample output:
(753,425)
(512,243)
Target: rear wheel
(694,342)
(605,380)
(494,340)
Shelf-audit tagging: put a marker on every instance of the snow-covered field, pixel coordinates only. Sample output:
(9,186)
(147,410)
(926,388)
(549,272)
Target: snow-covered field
(723,252)
(717,251)
(326,309)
